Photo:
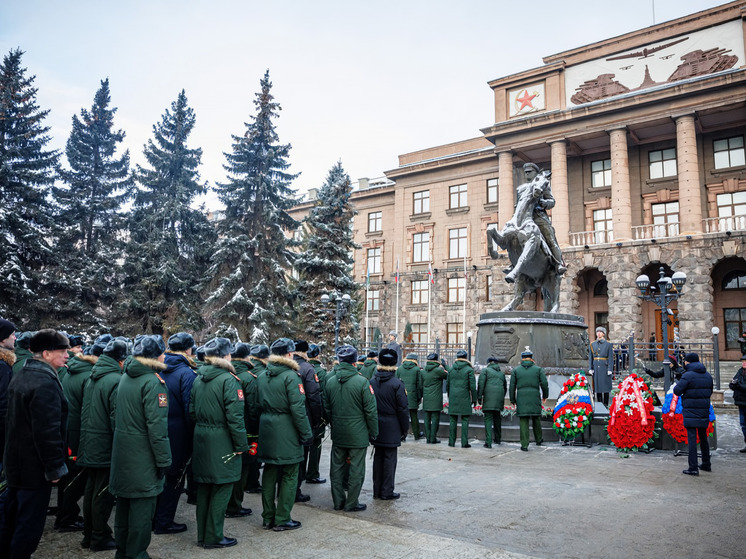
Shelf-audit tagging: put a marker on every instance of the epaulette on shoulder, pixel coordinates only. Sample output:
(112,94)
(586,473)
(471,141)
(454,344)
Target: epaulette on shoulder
(160,378)
(235,376)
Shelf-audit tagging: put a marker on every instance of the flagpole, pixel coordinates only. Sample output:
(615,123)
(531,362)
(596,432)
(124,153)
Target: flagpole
(396,323)
(466,283)
(429,300)
(367,325)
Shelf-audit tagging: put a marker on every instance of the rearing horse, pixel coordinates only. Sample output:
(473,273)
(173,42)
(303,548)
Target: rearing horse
(533,265)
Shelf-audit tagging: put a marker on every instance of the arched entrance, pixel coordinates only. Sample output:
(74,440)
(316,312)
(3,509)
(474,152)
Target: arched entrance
(593,299)
(729,309)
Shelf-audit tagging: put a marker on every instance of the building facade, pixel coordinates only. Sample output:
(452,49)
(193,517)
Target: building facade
(644,137)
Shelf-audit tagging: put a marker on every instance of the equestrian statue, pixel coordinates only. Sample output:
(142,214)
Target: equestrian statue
(535,256)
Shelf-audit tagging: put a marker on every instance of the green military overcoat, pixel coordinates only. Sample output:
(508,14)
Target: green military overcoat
(216,408)
(528,385)
(410,374)
(99,408)
(283,422)
(350,406)
(492,388)
(140,431)
(432,386)
(461,387)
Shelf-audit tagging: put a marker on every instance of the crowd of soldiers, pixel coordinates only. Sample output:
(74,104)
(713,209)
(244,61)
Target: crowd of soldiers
(135,424)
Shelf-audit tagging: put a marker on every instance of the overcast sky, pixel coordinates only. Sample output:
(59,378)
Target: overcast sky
(360,82)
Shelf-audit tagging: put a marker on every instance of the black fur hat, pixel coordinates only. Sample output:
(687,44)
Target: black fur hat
(241,351)
(433,357)
(48,340)
(117,349)
(6,328)
(150,347)
(282,346)
(260,351)
(301,346)
(313,351)
(388,357)
(218,347)
(347,354)
(181,341)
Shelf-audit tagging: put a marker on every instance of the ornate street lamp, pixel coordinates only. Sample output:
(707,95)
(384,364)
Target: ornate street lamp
(668,290)
(343,305)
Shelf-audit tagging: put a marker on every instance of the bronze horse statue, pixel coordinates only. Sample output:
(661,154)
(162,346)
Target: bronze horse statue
(532,263)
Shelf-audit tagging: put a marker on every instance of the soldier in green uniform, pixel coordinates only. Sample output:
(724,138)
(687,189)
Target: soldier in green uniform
(141,451)
(313,475)
(528,389)
(432,396)
(258,358)
(245,372)
(283,424)
(410,374)
(96,437)
(72,486)
(216,408)
(369,365)
(462,395)
(23,341)
(491,394)
(350,407)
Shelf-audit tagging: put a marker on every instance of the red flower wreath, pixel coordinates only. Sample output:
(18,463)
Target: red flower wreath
(631,424)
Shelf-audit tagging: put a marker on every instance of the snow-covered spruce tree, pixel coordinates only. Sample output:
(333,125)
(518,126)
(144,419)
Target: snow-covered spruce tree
(89,219)
(26,176)
(249,291)
(324,265)
(170,242)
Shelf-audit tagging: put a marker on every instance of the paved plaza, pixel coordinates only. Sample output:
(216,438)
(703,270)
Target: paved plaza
(553,501)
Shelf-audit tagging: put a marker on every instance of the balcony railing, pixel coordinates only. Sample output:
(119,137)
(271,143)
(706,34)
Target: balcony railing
(656,231)
(720,224)
(588,238)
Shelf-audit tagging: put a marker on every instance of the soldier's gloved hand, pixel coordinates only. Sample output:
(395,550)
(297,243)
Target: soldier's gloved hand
(160,473)
(404,437)
(372,440)
(590,372)
(307,443)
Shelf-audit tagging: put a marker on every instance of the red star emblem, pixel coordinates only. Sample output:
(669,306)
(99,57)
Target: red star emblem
(525,100)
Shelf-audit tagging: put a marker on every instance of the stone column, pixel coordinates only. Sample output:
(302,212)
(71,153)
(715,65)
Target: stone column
(687,162)
(621,209)
(505,188)
(561,192)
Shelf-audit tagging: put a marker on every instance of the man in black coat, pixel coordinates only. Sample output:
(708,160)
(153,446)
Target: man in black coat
(695,389)
(314,409)
(738,386)
(35,449)
(393,424)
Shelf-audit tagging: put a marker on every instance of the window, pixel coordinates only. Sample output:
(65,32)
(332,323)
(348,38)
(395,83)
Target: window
(729,152)
(735,326)
(601,173)
(375,221)
(421,247)
(457,243)
(455,333)
(601,319)
(603,226)
(374,260)
(419,333)
(374,300)
(601,289)
(492,191)
(662,163)
(488,294)
(458,196)
(420,293)
(422,202)
(456,290)
(735,280)
(732,208)
(665,219)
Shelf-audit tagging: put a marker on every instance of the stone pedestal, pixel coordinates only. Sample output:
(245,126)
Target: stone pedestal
(558,341)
